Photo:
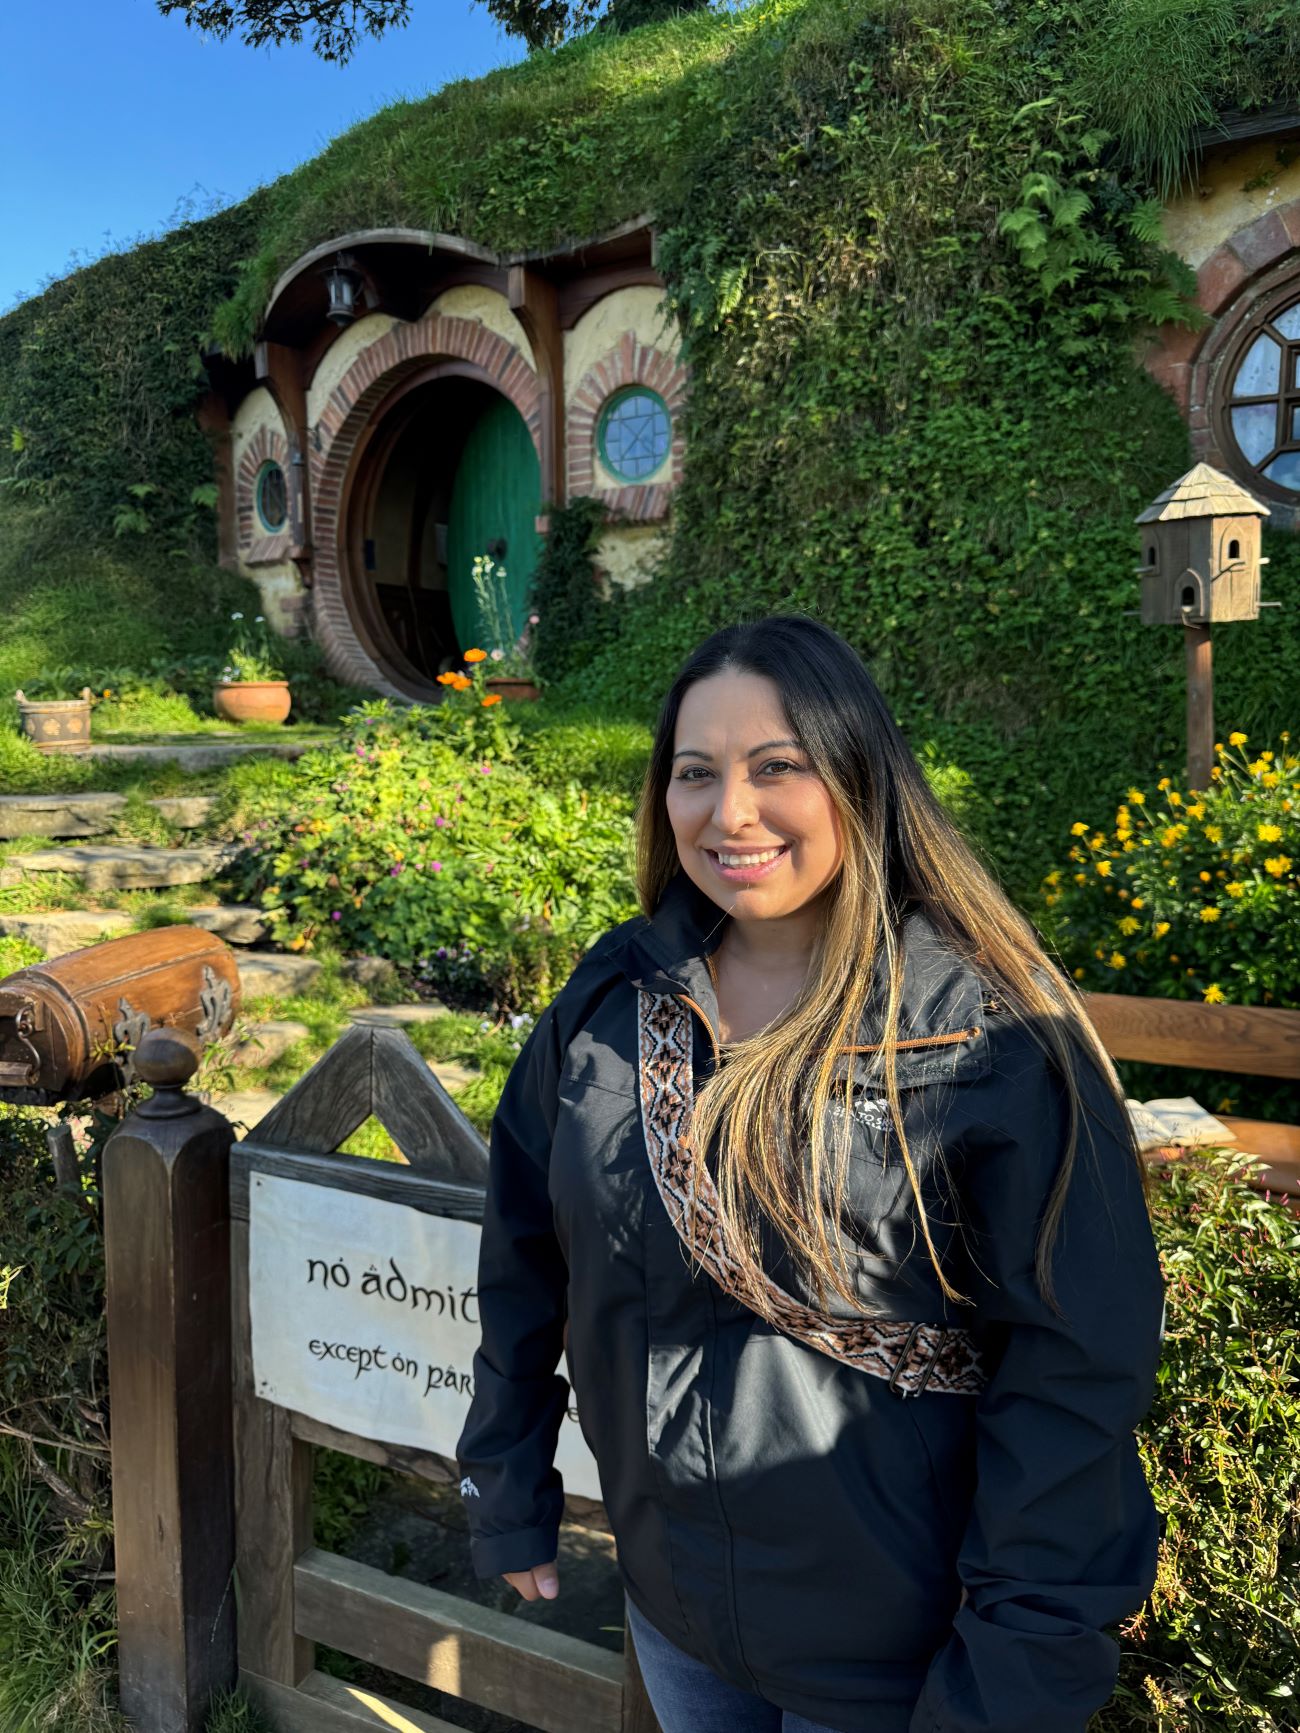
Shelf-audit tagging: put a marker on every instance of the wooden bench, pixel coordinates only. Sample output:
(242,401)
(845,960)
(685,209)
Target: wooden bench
(1252,1040)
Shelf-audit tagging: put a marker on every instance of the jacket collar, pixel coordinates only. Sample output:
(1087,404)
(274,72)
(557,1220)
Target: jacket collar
(942,1004)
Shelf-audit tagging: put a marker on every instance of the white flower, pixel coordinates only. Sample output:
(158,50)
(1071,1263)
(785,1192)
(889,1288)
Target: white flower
(498,655)
(236,616)
(259,619)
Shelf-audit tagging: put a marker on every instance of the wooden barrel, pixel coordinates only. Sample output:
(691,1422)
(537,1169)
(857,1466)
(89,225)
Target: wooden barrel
(69,1027)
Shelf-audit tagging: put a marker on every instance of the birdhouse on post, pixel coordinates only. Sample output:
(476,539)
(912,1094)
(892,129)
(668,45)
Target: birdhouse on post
(1201,566)
(1201,552)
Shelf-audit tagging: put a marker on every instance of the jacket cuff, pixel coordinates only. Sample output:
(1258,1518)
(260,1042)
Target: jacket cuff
(494,1554)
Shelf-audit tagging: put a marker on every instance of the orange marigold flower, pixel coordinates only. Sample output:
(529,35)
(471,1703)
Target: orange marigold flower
(476,655)
(448,679)
(492,698)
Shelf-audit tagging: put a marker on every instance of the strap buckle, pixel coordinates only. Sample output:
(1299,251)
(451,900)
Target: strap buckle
(901,1389)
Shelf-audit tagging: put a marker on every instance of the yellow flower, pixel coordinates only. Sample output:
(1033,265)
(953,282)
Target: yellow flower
(1174,957)
(1257,767)
(1079,974)
(1235,889)
(1290,763)
(1117,960)
(1138,903)
(1204,878)
(1136,796)
(1271,780)
(1213,833)
(1129,844)
(1053,878)
(1164,783)
(1175,799)
(1078,830)
(1097,840)
(108,691)
(1277,864)
(1129,925)
(1212,913)
(475,656)
(1214,994)
(1162,927)
(1266,758)
(1237,739)
(1169,837)
(1269,832)
(1216,775)
(1197,811)
(1080,878)
(1103,868)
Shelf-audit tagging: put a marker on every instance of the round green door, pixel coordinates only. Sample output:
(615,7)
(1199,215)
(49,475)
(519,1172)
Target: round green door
(495,499)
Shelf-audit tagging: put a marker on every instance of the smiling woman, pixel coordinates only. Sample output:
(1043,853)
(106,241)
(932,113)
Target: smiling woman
(831,1063)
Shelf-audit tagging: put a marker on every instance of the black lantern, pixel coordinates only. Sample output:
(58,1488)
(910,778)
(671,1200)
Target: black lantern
(343,287)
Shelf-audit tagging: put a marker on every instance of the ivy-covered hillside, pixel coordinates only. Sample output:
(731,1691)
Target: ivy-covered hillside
(913,244)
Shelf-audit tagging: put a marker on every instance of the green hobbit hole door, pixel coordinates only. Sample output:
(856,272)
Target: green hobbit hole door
(495,500)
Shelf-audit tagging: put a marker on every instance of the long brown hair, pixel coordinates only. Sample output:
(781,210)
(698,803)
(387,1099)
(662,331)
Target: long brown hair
(901,852)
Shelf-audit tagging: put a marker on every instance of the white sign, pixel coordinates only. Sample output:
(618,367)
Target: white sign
(365,1316)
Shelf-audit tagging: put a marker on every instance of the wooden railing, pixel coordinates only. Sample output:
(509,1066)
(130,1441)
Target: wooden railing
(1254,1040)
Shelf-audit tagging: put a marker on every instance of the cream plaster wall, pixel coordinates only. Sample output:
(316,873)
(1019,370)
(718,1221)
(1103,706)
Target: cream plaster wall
(600,330)
(257,411)
(279,586)
(339,357)
(489,307)
(1208,211)
(628,554)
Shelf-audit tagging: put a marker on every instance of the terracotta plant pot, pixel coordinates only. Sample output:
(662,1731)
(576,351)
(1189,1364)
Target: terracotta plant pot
(252,700)
(56,724)
(510,686)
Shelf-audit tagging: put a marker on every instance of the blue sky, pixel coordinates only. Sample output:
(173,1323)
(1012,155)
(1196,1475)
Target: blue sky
(113,115)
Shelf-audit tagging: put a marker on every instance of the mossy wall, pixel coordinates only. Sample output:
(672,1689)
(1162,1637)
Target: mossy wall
(913,249)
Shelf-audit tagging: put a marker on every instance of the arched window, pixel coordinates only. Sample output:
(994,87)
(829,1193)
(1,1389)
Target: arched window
(1263,399)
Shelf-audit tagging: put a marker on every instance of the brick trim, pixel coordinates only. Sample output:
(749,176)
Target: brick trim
(254,545)
(631,362)
(401,352)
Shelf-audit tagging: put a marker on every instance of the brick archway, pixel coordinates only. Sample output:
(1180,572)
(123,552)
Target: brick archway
(258,545)
(1245,269)
(432,347)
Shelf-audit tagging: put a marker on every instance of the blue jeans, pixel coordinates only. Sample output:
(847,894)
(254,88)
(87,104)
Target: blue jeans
(688,1697)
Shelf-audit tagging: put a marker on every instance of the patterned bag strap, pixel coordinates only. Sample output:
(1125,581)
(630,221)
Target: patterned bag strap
(913,1357)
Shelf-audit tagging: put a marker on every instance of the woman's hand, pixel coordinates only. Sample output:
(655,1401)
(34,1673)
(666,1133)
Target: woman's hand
(540,1583)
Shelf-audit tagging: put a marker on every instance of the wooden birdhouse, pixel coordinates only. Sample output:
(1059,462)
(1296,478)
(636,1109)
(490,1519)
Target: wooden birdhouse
(1200,552)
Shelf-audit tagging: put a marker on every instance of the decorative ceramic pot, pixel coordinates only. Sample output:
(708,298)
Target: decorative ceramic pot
(510,686)
(252,700)
(56,724)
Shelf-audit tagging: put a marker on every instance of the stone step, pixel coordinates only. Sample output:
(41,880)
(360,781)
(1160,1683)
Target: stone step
(398,1016)
(71,815)
(206,753)
(283,974)
(121,868)
(62,931)
(264,1043)
(452,1074)
(236,923)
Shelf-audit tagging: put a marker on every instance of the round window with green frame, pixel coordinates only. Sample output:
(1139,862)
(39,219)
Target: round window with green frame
(635,433)
(271,497)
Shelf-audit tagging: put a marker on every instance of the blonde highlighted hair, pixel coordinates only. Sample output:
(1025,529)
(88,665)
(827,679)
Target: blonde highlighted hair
(901,852)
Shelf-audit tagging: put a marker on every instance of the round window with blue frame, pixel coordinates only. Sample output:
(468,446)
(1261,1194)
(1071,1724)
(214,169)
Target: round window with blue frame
(271,497)
(635,433)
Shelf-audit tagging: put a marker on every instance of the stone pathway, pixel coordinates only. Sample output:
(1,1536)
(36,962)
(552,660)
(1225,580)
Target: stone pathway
(72,815)
(122,868)
(210,752)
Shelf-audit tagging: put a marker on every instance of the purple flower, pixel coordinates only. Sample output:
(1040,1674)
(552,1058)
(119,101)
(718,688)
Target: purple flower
(442,950)
(435,866)
(486,769)
(394,870)
(337,915)
(440,821)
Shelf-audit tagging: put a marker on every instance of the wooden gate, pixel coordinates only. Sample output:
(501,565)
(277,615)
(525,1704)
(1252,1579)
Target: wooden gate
(290,1594)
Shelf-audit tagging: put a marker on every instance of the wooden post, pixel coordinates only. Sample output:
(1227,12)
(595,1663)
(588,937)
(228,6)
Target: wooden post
(167,1234)
(1200,706)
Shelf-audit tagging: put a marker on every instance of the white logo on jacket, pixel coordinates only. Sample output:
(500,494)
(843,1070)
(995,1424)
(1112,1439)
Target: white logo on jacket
(468,1488)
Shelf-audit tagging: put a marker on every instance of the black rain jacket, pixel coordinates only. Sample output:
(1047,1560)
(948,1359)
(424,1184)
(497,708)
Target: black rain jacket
(876,1562)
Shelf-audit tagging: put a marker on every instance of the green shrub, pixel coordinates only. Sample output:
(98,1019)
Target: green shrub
(423,837)
(1190,895)
(1217,1648)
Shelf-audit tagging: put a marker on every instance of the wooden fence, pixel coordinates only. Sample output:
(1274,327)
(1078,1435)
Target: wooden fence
(212,1482)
